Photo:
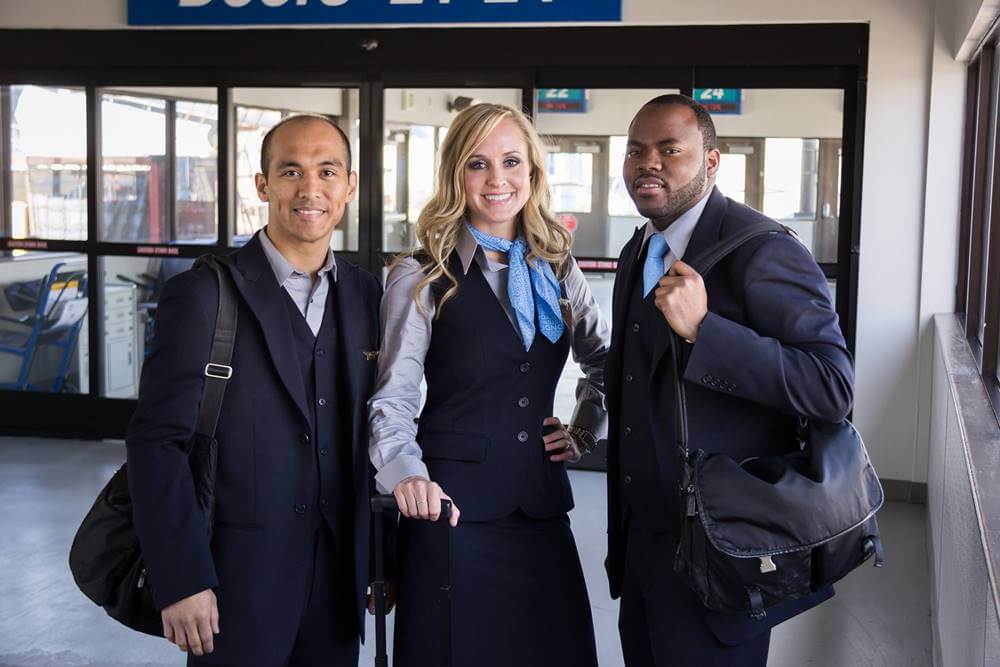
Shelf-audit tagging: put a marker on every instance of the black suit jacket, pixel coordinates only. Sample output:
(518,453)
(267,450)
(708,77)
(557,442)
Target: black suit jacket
(769,350)
(265,469)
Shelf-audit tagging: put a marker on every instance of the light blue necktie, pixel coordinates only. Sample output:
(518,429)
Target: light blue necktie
(652,270)
(524,283)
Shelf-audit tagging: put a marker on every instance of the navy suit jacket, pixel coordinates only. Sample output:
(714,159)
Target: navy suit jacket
(265,469)
(769,350)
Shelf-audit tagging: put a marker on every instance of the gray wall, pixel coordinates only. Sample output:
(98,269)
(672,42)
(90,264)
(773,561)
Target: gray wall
(962,504)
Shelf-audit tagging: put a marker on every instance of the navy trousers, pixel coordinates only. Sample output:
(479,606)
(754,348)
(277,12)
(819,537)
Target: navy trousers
(661,621)
(327,634)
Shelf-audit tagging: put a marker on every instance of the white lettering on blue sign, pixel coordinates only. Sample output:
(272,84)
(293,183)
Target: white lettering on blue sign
(340,12)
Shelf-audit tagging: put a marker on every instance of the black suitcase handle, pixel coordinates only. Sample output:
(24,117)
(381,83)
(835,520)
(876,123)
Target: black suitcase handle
(387,503)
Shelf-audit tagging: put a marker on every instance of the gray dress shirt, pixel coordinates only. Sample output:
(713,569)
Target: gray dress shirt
(309,296)
(406,334)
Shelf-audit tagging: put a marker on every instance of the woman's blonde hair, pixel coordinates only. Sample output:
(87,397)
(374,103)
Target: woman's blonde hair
(440,221)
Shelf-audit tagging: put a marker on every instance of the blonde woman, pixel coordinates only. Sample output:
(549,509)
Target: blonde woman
(487,312)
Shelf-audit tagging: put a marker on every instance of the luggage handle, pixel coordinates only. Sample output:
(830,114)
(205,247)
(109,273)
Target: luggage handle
(387,503)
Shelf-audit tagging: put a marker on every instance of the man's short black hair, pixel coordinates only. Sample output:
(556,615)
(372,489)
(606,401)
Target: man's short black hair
(265,146)
(705,123)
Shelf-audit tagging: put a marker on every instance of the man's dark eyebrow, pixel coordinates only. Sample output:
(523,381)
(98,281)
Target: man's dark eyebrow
(669,140)
(335,162)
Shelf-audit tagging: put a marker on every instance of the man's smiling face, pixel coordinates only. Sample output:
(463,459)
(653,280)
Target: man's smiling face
(308,183)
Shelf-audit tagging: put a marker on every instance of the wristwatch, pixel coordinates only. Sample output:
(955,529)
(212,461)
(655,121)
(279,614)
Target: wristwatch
(585,438)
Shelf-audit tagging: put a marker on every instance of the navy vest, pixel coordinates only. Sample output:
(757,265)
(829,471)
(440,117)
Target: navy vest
(481,427)
(331,490)
(643,493)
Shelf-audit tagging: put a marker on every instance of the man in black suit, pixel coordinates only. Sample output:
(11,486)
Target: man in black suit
(762,347)
(284,579)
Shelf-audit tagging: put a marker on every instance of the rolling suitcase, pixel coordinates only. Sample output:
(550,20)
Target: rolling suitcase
(387,503)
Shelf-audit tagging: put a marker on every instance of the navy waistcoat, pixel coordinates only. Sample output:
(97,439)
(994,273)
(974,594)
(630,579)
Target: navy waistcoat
(643,492)
(481,427)
(317,356)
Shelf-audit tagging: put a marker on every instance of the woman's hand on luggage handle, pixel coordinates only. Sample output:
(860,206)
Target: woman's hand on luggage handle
(193,622)
(560,444)
(419,498)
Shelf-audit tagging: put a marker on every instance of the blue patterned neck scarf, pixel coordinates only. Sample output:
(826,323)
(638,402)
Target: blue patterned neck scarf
(527,288)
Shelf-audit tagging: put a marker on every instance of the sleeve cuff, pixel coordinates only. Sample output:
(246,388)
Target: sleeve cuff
(399,469)
(591,417)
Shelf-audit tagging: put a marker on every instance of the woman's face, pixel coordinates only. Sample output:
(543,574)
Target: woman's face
(498,181)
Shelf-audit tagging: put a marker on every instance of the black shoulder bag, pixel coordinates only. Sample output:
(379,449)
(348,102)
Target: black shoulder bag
(106,559)
(820,502)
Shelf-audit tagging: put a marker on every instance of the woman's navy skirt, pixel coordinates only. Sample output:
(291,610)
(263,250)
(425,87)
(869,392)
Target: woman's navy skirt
(518,595)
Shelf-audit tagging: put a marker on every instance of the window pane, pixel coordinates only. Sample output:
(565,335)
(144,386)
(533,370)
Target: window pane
(260,109)
(790,178)
(43,322)
(48,163)
(197,172)
(571,177)
(732,178)
(132,287)
(416,122)
(136,169)
(601,285)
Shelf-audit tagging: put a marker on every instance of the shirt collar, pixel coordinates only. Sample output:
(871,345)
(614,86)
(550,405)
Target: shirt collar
(282,267)
(469,249)
(678,234)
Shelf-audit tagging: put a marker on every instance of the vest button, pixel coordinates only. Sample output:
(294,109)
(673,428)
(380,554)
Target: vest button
(522,436)
(324,452)
(322,401)
(303,438)
(523,402)
(525,367)
(320,352)
(635,327)
(300,509)
(628,378)
(628,479)
(628,430)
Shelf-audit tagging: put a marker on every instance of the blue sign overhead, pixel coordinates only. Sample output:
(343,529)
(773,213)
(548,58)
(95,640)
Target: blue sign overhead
(720,101)
(283,12)
(562,100)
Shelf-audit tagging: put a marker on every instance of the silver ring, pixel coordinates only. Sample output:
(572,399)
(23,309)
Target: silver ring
(421,502)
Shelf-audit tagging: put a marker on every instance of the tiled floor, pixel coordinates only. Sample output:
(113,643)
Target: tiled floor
(879,617)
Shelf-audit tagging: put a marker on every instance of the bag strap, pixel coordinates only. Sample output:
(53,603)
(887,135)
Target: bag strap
(703,264)
(218,370)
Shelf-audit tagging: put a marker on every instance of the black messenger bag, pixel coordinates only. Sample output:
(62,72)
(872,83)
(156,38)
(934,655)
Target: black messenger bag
(105,558)
(772,529)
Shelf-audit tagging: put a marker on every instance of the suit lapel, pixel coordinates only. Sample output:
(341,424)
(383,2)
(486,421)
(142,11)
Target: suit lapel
(257,285)
(706,233)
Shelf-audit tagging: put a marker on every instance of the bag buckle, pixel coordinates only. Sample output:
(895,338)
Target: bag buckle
(767,565)
(220,371)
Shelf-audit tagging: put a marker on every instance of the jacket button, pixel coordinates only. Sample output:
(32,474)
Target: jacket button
(322,401)
(628,378)
(300,509)
(635,327)
(628,479)
(324,452)
(523,402)
(628,430)
(525,367)
(303,438)
(522,436)
(707,379)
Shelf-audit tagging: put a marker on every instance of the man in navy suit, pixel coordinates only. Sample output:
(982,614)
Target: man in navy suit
(762,347)
(283,580)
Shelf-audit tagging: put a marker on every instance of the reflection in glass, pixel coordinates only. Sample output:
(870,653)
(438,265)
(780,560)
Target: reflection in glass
(43,323)
(136,169)
(132,287)
(197,175)
(48,163)
(260,109)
